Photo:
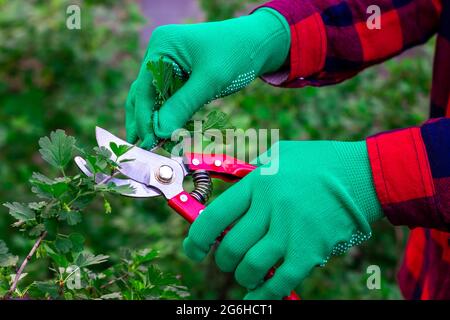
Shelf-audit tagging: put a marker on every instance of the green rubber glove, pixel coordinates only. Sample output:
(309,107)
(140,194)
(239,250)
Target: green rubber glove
(319,203)
(219,57)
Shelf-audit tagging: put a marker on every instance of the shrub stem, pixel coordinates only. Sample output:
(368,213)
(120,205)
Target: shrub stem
(25,262)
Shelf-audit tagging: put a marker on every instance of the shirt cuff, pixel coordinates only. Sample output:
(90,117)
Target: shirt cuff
(308,41)
(403,179)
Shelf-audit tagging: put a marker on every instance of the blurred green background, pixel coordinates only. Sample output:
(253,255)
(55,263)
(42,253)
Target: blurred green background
(52,77)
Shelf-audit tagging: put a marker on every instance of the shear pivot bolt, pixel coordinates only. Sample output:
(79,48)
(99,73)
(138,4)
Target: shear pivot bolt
(183,198)
(217,163)
(195,162)
(165,174)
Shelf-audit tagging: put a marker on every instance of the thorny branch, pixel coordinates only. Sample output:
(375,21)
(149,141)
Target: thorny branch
(24,263)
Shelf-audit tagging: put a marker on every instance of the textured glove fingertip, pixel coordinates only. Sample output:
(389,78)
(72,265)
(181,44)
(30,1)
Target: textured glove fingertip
(131,134)
(193,251)
(148,142)
(162,126)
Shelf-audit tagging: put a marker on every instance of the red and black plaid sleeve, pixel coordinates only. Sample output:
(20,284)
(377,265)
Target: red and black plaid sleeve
(411,172)
(330,40)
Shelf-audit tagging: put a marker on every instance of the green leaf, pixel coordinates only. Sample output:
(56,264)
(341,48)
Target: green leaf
(20,211)
(58,149)
(91,163)
(146,256)
(86,259)
(55,190)
(119,150)
(58,259)
(37,205)
(77,242)
(41,251)
(72,217)
(214,120)
(51,226)
(103,152)
(165,80)
(107,206)
(37,230)
(84,200)
(48,288)
(63,245)
(48,188)
(101,162)
(6,258)
(68,296)
(163,74)
(39,177)
(123,189)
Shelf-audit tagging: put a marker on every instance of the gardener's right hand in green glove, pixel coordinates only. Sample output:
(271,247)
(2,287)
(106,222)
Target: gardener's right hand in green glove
(219,57)
(320,202)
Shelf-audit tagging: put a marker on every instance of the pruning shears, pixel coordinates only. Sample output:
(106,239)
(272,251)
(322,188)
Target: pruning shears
(150,175)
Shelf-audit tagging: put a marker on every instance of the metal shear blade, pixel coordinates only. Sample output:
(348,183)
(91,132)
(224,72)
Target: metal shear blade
(146,165)
(140,191)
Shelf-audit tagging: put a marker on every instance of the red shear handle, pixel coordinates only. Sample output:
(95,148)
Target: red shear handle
(219,166)
(189,208)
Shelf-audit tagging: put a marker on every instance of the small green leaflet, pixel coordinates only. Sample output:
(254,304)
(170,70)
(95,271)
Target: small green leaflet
(63,244)
(107,206)
(72,217)
(74,242)
(47,188)
(39,177)
(214,120)
(158,278)
(103,152)
(58,149)
(37,205)
(165,80)
(48,288)
(51,226)
(37,230)
(119,150)
(101,162)
(20,211)
(145,255)
(59,259)
(95,164)
(86,259)
(77,242)
(6,258)
(123,189)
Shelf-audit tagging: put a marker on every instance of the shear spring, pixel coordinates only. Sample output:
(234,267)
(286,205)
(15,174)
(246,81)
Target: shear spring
(202,186)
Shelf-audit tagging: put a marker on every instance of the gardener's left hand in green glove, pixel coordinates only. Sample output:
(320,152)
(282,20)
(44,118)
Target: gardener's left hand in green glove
(319,203)
(220,57)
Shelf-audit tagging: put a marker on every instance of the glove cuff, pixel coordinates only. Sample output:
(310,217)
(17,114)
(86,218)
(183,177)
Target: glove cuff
(355,159)
(275,39)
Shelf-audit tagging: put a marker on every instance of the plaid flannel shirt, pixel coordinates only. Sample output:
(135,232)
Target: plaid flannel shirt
(330,42)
